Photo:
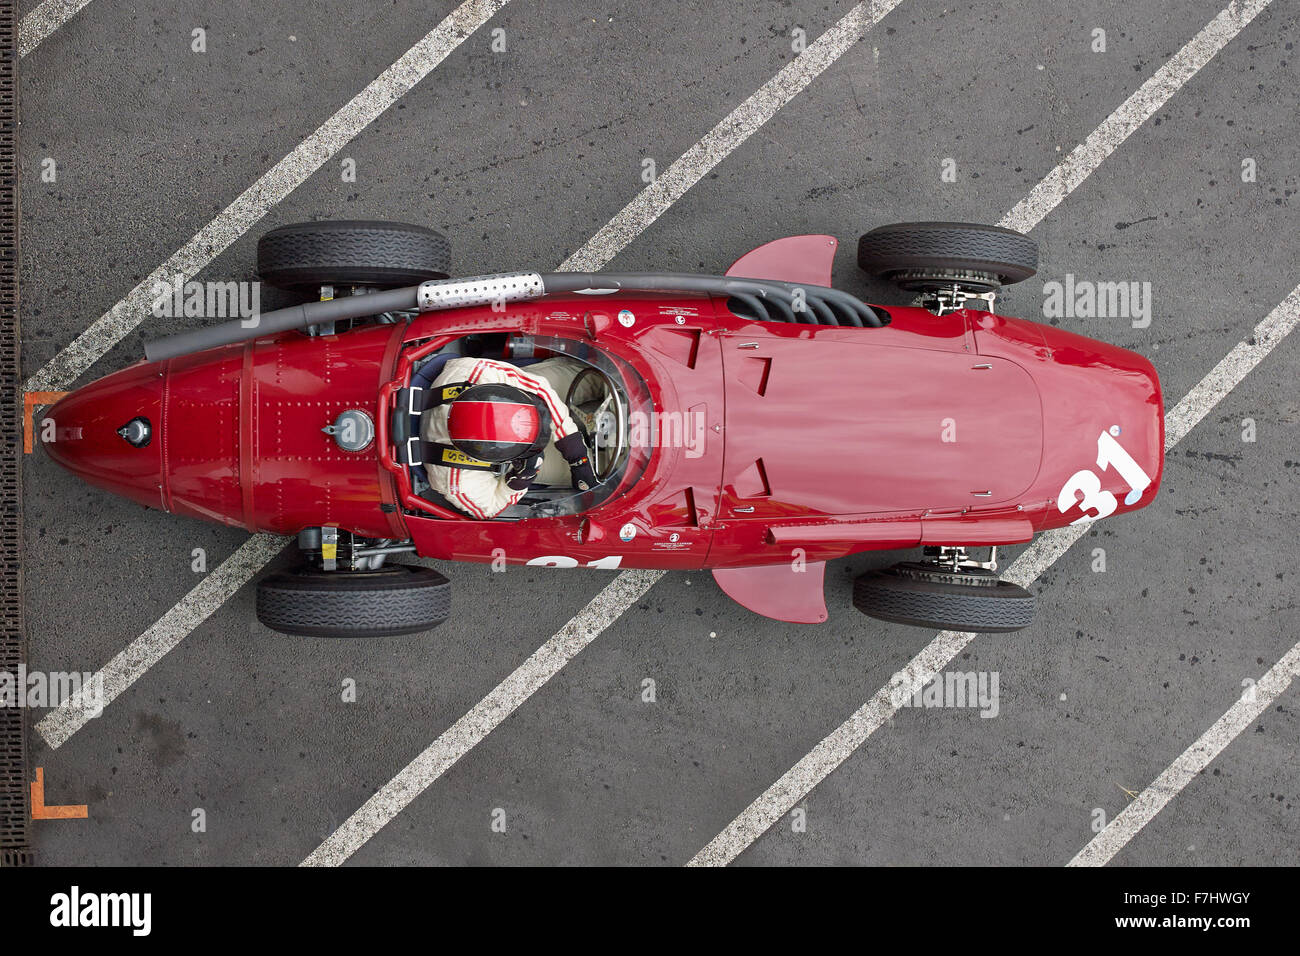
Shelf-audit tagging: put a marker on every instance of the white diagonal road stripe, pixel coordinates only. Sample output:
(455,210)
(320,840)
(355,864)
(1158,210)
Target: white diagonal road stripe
(736,127)
(168,631)
(1129,821)
(1150,97)
(484,717)
(274,185)
(797,782)
(44,20)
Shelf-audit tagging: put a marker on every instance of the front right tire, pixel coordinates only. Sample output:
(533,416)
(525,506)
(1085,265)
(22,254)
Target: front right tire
(352,252)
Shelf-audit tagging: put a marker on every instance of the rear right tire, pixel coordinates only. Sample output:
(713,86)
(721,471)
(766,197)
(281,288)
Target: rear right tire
(921,255)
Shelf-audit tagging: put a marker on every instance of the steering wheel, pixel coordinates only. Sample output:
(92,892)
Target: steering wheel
(601,422)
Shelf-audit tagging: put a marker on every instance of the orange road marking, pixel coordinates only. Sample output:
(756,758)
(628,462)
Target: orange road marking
(30,401)
(40,811)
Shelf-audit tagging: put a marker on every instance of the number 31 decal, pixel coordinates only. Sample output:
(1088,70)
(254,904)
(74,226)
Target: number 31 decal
(564,561)
(1084,487)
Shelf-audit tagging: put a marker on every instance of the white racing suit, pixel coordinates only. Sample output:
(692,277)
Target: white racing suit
(484,494)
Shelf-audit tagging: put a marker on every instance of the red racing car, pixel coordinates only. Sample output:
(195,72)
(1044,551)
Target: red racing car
(758,424)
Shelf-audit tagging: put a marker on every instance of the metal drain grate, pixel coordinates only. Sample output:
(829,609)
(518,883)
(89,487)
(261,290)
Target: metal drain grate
(14,811)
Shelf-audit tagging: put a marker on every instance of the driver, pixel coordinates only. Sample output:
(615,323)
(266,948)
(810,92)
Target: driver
(486,428)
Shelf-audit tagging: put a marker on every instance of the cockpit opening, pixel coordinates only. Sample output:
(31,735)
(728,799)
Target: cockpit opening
(600,393)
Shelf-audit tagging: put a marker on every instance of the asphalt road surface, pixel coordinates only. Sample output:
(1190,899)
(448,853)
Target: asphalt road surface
(521,145)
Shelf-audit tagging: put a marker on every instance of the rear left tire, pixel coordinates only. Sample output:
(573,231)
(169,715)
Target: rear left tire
(967,601)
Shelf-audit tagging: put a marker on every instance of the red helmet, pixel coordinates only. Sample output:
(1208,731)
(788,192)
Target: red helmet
(498,423)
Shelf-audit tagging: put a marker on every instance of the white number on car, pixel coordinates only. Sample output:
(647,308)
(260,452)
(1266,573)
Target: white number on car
(1083,488)
(563,561)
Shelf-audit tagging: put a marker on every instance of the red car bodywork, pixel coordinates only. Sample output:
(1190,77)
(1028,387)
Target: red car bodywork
(818,441)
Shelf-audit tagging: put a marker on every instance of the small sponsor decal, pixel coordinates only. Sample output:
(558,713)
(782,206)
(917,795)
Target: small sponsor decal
(626,318)
(522,423)
(627,532)
(453,456)
(672,545)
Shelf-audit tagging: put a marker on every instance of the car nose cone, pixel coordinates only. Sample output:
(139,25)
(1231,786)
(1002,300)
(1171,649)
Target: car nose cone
(104,433)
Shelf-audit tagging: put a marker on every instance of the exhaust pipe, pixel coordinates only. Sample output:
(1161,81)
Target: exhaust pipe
(426,297)
(812,305)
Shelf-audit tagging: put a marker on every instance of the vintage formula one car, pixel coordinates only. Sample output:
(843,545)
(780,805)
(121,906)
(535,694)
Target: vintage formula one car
(758,424)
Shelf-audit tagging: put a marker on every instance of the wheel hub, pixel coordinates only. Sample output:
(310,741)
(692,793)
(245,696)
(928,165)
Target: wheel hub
(947,290)
(952,565)
(941,574)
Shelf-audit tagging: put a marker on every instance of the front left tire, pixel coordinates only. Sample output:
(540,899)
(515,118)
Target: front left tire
(396,599)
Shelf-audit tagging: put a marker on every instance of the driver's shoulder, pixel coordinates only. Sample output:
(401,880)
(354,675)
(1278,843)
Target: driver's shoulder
(460,369)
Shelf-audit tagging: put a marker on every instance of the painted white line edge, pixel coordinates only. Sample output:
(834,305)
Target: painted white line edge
(717,144)
(461,737)
(44,20)
(149,648)
(1132,113)
(1130,821)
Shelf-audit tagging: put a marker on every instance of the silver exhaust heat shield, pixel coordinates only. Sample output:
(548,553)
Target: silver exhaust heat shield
(479,290)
